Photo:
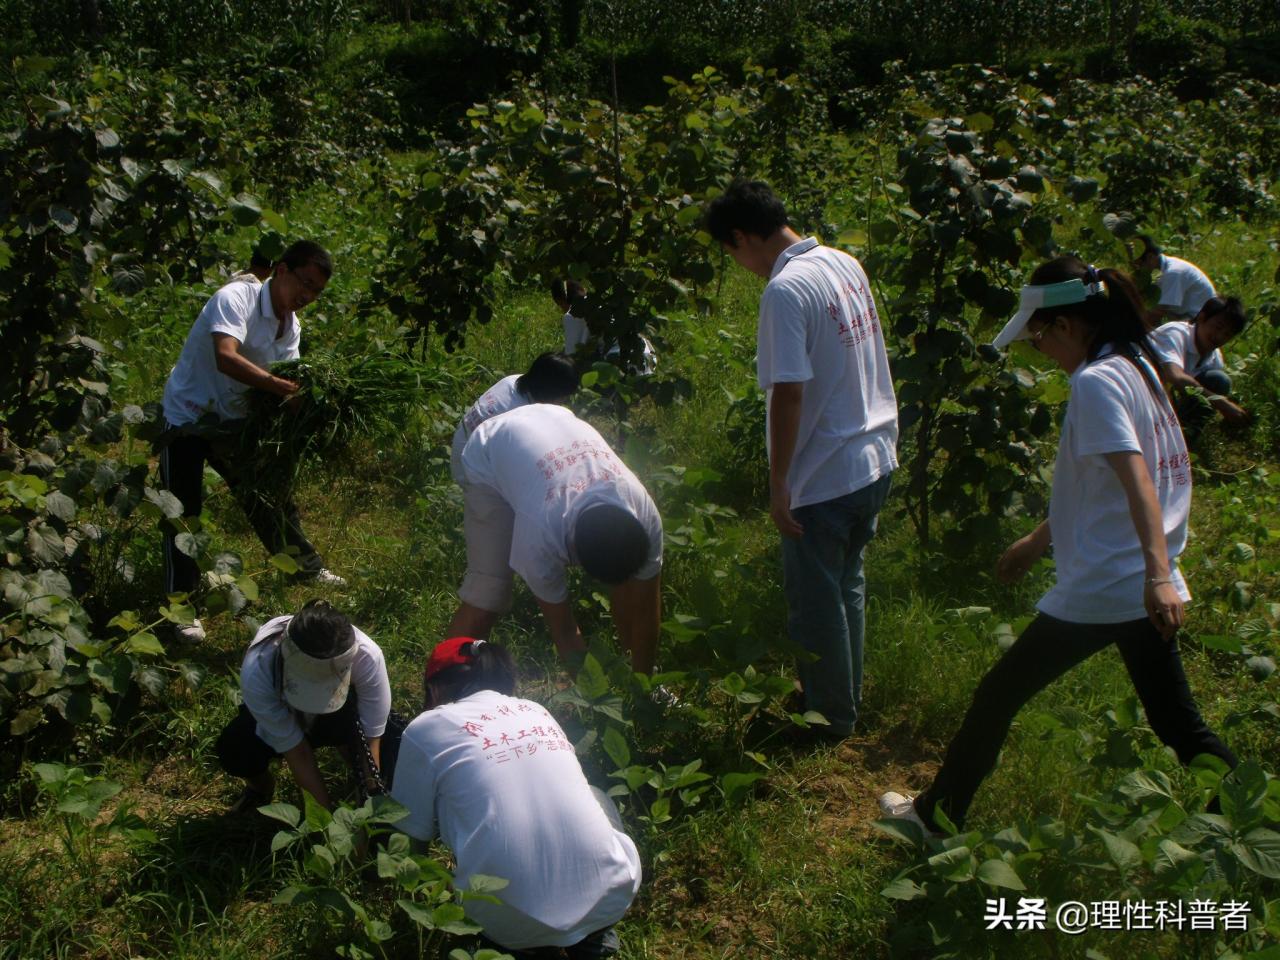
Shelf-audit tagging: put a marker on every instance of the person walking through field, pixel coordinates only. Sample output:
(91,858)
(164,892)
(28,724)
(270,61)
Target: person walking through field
(1117,523)
(543,492)
(244,328)
(832,425)
(495,777)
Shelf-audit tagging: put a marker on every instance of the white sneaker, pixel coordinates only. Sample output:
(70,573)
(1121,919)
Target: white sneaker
(192,632)
(897,806)
(664,697)
(329,578)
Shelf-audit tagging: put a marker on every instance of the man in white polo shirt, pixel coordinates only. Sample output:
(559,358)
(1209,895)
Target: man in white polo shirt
(1183,286)
(832,432)
(244,328)
(542,492)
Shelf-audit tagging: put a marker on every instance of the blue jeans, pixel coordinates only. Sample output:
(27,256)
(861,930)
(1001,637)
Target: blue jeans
(826,599)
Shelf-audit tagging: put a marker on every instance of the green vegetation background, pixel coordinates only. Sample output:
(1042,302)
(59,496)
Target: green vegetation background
(335,113)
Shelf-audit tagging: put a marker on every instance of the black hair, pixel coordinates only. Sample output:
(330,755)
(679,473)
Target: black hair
(748,205)
(551,378)
(301,252)
(1231,307)
(490,667)
(567,291)
(1148,245)
(321,631)
(610,543)
(258,261)
(1114,317)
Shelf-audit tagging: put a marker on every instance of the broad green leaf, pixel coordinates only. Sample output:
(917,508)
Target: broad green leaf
(615,745)
(903,889)
(284,563)
(998,873)
(144,644)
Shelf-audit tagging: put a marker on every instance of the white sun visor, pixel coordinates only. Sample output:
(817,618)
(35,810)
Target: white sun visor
(1048,295)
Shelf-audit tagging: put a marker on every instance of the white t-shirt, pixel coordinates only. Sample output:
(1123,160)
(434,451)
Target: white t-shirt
(499,398)
(819,326)
(498,780)
(575,333)
(1100,568)
(550,466)
(1175,342)
(279,725)
(1183,286)
(241,309)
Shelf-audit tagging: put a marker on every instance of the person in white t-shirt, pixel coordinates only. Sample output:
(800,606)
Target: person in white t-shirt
(551,378)
(832,425)
(497,780)
(309,680)
(1190,357)
(244,328)
(542,492)
(569,294)
(1117,523)
(1183,286)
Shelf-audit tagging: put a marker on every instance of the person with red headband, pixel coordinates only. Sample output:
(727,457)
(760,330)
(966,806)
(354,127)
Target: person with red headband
(495,777)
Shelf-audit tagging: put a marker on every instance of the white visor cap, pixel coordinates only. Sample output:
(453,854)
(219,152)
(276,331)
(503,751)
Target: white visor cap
(1048,295)
(315,684)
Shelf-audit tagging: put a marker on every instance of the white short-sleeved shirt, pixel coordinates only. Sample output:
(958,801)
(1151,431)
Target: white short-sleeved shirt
(279,725)
(819,326)
(1100,568)
(1183,287)
(575,333)
(1175,342)
(549,466)
(499,398)
(499,782)
(241,309)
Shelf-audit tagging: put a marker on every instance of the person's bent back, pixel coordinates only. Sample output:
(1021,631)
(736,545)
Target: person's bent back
(495,777)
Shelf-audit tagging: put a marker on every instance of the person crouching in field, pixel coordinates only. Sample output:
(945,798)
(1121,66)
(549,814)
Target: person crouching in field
(309,680)
(543,491)
(495,777)
(244,328)
(1117,523)
(551,378)
(832,433)
(1183,286)
(1190,357)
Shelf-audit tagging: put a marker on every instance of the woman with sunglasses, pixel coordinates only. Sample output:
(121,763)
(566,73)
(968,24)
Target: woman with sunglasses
(1117,523)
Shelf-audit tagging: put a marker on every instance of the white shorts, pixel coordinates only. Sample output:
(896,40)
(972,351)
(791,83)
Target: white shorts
(487,522)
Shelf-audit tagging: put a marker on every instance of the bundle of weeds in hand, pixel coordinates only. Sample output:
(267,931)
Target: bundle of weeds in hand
(341,398)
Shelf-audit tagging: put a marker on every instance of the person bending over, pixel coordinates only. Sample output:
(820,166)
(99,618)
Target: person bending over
(551,378)
(1190,357)
(309,680)
(542,492)
(497,780)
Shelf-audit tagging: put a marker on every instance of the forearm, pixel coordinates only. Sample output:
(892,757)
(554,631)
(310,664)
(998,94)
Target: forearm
(1041,537)
(230,362)
(1144,510)
(637,614)
(302,764)
(562,627)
